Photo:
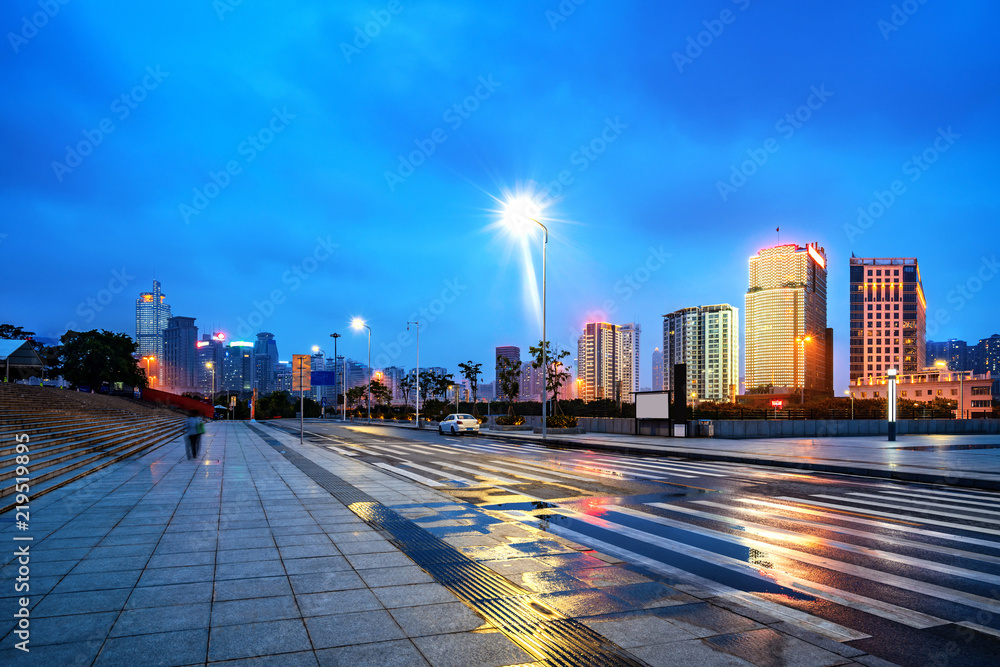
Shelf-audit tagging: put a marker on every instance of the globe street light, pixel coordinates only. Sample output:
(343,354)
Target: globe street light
(358,324)
(851,394)
(516,216)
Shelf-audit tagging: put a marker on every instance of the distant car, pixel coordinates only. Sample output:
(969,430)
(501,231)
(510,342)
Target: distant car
(458,423)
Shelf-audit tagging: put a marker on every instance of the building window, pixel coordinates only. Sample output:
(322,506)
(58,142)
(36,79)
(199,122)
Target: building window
(954,392)
(864,394)
(874,394)
(940,392)
(920,392)
(903,394)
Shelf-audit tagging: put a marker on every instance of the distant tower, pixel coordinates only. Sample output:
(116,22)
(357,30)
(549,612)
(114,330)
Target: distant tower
(513,353)
(657,370)
(605,361)
(631,333)
(180,354)
(706,339)
(151,315)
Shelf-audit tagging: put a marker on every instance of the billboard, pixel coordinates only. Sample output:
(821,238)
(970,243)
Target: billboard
(652,405)
(301,374)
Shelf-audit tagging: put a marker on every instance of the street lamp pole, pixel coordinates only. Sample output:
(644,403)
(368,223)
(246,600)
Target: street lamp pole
(417,325)
(335,336)
(358,323)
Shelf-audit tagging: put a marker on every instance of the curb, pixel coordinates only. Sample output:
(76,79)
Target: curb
(898,475)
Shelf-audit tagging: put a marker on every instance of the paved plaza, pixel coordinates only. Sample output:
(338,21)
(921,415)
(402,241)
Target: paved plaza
(252,555)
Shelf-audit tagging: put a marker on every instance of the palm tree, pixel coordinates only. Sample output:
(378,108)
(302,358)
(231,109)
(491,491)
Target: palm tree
(471,372)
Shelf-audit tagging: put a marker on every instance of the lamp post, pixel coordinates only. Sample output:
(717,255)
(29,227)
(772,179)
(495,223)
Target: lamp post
(358,324)
(210,367)
(851,394)
(417,400)
(892,404)
(317,350)
(514,217)
(335,336)
(802,341)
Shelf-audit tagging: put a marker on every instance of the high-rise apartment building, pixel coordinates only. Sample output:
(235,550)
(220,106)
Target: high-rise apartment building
(888,316)
(657,370)
(706,339)
(605,362)
(511,352)
(785,321)
(956,354)
(631,333)
(180,354)
(208,368)
(151,315)
(265,359)
(237,367)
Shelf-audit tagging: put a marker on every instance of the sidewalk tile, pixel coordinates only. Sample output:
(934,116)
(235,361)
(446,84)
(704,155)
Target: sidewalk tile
(413,595)
(399,653)
(470,649)
(167,648)
(437,619)
(691,652)
(258,639)
(338,602)
(240,589)
(320,582)
(150,620)
(355,628)
(254,610)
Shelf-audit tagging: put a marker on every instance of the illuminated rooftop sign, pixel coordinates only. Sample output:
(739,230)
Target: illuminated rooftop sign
(816,256)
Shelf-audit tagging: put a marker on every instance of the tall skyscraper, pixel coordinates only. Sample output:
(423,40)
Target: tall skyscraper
(180,354)
(211,350)
(237,367)
(631,333)
(707,340)
(265,359)
(888,316)
(657,369)
(987,357)
(151,315)
(786,333)
(603,366)
(513,353)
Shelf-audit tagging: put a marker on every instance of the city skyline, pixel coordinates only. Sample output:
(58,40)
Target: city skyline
(672,174)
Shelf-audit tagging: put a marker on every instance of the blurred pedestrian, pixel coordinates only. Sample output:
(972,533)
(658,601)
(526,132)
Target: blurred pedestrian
(195,427)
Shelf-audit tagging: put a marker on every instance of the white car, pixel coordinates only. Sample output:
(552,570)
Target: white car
(458,423)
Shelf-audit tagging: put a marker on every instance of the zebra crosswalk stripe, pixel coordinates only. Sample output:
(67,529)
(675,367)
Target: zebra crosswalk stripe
(892,515)
(950,515)
(406,473)
(935,503)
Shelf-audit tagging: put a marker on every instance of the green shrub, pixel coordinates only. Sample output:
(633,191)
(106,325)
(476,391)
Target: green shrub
(561,421)
(510,420)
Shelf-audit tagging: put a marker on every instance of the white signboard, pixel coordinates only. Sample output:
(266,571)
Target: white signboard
(652,405)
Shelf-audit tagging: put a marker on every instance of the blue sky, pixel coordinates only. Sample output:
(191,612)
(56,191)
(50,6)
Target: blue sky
(312,121)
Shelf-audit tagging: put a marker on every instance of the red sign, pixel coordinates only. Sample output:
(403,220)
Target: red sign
(777,403)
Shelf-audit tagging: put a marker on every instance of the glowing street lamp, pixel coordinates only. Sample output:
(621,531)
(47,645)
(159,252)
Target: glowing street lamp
(517,216)
(851,394)
(358,324)
(210,367)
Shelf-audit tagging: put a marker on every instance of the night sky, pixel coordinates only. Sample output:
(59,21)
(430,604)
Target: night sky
(278,169)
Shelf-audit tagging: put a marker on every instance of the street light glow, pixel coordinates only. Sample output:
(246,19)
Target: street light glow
(519,212)
(358,323)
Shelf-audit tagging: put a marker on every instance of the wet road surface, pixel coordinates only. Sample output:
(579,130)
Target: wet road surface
(906,572)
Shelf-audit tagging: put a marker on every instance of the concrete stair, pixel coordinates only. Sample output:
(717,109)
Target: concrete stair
(72,435)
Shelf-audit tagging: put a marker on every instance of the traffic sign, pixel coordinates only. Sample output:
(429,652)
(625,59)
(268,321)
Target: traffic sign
(301,373)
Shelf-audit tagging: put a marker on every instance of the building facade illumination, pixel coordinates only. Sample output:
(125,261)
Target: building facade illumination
(888,316)
(785,321)
(151,315)
(706,339)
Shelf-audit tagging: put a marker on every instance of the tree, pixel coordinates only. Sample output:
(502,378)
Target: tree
(406,386)
(471,372)
(509,377)
(556,373)
(428,384)
(91,358)
(10,332)
(442,381)
(355,394)
(380,393)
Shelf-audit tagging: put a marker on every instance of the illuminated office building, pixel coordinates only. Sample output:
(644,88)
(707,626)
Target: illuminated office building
(707,340)
(605,361)
(888,316)
(788,346)
(151,315)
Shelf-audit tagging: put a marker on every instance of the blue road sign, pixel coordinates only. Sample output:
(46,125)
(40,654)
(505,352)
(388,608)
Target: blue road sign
(323,378)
